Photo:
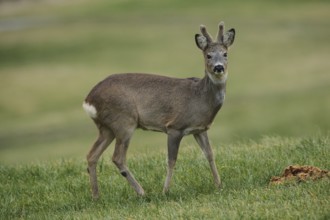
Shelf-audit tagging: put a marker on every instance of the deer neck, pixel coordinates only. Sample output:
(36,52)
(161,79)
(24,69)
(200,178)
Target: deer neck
(215,89)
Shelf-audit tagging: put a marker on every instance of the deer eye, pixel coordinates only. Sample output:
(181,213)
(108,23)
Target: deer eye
(225,55)
(208,56)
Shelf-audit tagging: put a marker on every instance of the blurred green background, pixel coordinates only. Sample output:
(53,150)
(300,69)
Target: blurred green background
(53,52)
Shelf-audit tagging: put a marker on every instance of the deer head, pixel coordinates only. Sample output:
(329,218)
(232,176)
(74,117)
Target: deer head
(215,52)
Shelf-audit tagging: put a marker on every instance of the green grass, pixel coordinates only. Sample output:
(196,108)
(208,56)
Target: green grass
(60,190)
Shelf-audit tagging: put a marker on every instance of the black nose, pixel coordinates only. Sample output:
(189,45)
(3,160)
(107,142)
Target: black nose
(218,69)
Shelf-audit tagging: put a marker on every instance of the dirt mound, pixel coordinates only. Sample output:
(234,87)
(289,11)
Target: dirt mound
(298,174)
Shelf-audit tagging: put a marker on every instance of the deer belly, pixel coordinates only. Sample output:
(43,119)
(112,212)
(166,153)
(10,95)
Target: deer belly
(195,130)
(151,128)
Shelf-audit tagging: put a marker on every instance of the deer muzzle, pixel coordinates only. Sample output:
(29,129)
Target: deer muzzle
(219,69)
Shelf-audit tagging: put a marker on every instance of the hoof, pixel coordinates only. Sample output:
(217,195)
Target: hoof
(141,193)
(95,197)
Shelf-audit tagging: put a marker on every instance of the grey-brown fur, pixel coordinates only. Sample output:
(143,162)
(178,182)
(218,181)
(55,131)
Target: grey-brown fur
(177,107)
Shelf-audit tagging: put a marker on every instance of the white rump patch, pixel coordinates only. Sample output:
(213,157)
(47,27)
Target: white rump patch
(90,110)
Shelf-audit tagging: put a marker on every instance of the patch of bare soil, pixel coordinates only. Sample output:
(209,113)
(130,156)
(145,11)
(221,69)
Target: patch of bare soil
(296,173)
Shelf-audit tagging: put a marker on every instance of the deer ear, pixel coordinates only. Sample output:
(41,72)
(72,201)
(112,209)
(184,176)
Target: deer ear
(201,41)
(229,37)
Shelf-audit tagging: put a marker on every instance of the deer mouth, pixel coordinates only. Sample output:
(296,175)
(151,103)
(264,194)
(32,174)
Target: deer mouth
(218,77)
(219,73)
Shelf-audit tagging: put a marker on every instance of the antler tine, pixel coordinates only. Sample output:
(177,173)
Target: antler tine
(206,34)
(220,32)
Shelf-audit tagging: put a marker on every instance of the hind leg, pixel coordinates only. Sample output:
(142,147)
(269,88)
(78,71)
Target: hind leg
(106,136)
(119,158)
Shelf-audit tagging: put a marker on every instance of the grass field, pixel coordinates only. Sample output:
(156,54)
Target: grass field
(276,111)
(60,190)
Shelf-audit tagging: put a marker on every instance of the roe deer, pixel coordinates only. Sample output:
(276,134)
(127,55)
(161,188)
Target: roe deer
(123,102)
